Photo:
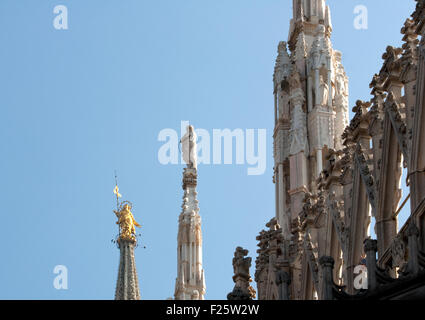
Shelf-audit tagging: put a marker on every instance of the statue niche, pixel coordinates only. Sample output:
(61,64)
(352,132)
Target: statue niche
(323,96)
(299,120)
(283,100)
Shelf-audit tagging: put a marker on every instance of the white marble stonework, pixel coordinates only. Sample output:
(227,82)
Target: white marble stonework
(190,282)
(309,81)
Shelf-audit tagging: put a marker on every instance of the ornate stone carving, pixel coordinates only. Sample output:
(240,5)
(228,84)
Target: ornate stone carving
(321,49)
(342,88)
(345,164)
(398,253)
(238,295)
(270,260)
(283,64)
(419,16)
(301,47)
(340,100)
(189,148)
(412,230)
(367,177)
(311,255)
(335,208)
(392,65)
(410,54)
(370,245)
(399,125)
(190,282)
(299,140)
(323,96)
(360,120)
(190,178)
(242,278)
(295,83)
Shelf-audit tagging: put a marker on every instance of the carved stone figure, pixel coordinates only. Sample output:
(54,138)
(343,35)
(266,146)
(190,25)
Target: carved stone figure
(299,120)
(398,253)
(283,103)
(341,105)
(341,85)
(294,81)
(189,147)
(241,264)
(282,63)
(298,131)
(323,97)
(242,278)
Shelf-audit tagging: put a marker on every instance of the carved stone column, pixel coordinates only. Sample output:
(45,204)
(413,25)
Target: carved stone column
(413,263)
(283,280)
(327,265)
(417,162)
(409,62)
(298,147)
(190,281)
(370,248)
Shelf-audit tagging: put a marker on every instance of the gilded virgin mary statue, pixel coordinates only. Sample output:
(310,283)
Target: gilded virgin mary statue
(127,223)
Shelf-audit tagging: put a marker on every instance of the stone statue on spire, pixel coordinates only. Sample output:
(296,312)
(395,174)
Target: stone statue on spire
(189,148)
(190,281)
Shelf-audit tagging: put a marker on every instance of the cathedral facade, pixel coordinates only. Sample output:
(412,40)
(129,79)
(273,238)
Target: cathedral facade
(332,176)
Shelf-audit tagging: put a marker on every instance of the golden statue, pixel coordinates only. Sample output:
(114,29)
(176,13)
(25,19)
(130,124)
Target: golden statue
(127,223)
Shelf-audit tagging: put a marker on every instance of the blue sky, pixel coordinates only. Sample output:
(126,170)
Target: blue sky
(78,104)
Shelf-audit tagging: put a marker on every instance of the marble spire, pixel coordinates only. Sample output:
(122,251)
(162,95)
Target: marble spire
(127,282)
(308,15)
(190,282)
(311,112)
(312,10)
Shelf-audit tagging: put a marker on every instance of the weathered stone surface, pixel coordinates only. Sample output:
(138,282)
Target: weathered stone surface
(127,283)
(242,278)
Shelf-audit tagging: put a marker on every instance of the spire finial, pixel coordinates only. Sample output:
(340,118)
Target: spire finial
(127,283)
(116,190)
(126,222)
(189,147)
